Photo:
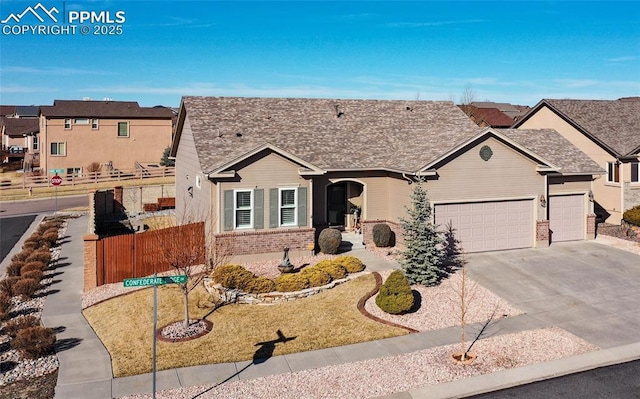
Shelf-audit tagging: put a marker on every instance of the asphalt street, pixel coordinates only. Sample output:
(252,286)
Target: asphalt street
(620,381)
(11,229)
(41,205)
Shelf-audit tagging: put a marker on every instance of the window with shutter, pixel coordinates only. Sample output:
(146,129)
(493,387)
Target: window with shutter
(288,210)
(243,208)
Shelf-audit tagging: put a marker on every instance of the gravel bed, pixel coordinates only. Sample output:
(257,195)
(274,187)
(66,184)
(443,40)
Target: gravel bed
(614,230)
(440,305)
(13,367)
(387,375)
(177,330)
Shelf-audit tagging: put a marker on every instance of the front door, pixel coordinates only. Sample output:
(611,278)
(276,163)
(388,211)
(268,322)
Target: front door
(336,204)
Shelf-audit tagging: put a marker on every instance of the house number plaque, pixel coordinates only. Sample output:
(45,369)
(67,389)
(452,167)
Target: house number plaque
(485,152)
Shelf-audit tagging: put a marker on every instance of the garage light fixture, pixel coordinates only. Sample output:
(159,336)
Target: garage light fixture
(590,196)
(543,201)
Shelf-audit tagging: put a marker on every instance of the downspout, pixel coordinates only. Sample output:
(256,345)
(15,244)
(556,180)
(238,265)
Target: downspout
(410,180)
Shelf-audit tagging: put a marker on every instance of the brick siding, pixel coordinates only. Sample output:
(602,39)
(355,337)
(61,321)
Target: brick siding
(542,233)
(591,226)
(269,241)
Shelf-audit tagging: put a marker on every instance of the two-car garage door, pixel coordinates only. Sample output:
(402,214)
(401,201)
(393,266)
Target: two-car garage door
(489,226)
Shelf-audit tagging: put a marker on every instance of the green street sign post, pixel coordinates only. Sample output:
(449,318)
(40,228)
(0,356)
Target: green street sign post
(154,281)
(157,280)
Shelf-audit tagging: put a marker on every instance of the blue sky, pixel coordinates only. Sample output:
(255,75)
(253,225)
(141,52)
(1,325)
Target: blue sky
(505,51)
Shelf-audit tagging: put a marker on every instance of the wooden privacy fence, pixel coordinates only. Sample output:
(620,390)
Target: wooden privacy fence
(143,254)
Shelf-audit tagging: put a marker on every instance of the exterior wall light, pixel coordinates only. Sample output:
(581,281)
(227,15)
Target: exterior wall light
(543,201)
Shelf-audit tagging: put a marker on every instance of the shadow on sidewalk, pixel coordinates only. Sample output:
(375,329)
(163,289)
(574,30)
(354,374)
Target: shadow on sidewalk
(264,352)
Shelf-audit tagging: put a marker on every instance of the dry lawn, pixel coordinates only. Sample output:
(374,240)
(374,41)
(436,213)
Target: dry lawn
(329,319)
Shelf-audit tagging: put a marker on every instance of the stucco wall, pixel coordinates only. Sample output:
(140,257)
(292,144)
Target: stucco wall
(146,142)
(608,195)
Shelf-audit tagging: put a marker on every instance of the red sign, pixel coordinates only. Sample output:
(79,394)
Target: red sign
(56,180)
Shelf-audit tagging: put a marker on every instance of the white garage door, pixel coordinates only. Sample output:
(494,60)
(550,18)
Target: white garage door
(489,226)
(566,217)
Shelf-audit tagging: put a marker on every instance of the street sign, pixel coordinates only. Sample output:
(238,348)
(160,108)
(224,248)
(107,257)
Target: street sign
(56,180)
(148,281)
(56,171)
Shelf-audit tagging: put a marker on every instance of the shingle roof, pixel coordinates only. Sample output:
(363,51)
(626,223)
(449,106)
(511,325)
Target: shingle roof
(553,147)
(492,116)
(20,126)
(367,134)
(103,109)
(6,110)
(614,123)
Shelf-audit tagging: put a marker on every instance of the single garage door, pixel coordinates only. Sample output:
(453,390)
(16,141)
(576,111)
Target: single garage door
(566,217)
(489,226)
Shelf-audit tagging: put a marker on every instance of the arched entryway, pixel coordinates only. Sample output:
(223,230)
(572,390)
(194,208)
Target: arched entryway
(344,200)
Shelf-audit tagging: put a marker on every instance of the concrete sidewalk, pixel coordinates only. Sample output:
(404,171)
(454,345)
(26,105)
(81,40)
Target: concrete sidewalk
(85,367)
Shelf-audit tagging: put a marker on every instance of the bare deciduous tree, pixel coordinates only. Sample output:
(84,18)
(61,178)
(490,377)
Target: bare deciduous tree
(466,98)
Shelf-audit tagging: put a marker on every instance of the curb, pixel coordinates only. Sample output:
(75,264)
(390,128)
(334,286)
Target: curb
(528,374)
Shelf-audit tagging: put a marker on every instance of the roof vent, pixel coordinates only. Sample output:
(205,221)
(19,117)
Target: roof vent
(409,108)
(238,134)
(338,112)
(86,98)
(268,116)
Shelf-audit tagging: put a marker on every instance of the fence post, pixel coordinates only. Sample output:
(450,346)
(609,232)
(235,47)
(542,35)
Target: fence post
(91,261)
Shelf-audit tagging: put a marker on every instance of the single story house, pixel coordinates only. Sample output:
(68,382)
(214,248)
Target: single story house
(608,131)
(271,172)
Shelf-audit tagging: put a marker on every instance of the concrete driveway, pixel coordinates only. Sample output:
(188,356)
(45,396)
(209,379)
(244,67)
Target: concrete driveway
(586,288)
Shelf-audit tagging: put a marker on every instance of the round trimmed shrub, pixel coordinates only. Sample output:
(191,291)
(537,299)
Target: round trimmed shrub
(350,263)
(34,274)
(14,268)
(382,235)
(289,282)
(317,277)
(5,304)
(35,342)
(329,241)
(31,266)
(12,327)
(42,255)
(21,256)
(261,285)
(26,287)
(395,296)
(51,237)
(335,270)
(7,283)
(632,215)
(233,277)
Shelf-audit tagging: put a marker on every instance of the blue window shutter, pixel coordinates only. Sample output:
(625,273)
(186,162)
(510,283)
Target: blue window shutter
(273,208)
(302,206)
(228,210)
(258,208)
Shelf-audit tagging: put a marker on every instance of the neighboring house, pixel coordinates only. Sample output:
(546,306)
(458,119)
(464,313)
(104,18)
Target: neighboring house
(608,131)
(490,114)
(20,141)
(269,173)
(116,134)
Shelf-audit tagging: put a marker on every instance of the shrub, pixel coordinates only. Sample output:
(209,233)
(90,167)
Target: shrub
(395,294)
(261,285)
(34,274)
(6,284)
(94,167)
(382,235)
(290,282)
(51,237)
(31,266)
(317,277)
(25,287)
(329,241)
(12,327)
(14,268)
(5,304)
(42,255)
(632,215)
(350,263)
(335,270)
(34,342)
(21,256)
(233,277)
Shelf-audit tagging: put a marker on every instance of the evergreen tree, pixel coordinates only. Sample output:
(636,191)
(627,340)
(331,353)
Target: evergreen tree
(165,161)
(423,259)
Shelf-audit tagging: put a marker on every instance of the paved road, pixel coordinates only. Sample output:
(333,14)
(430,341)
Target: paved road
(620,381)
(11,229)
(41,205)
